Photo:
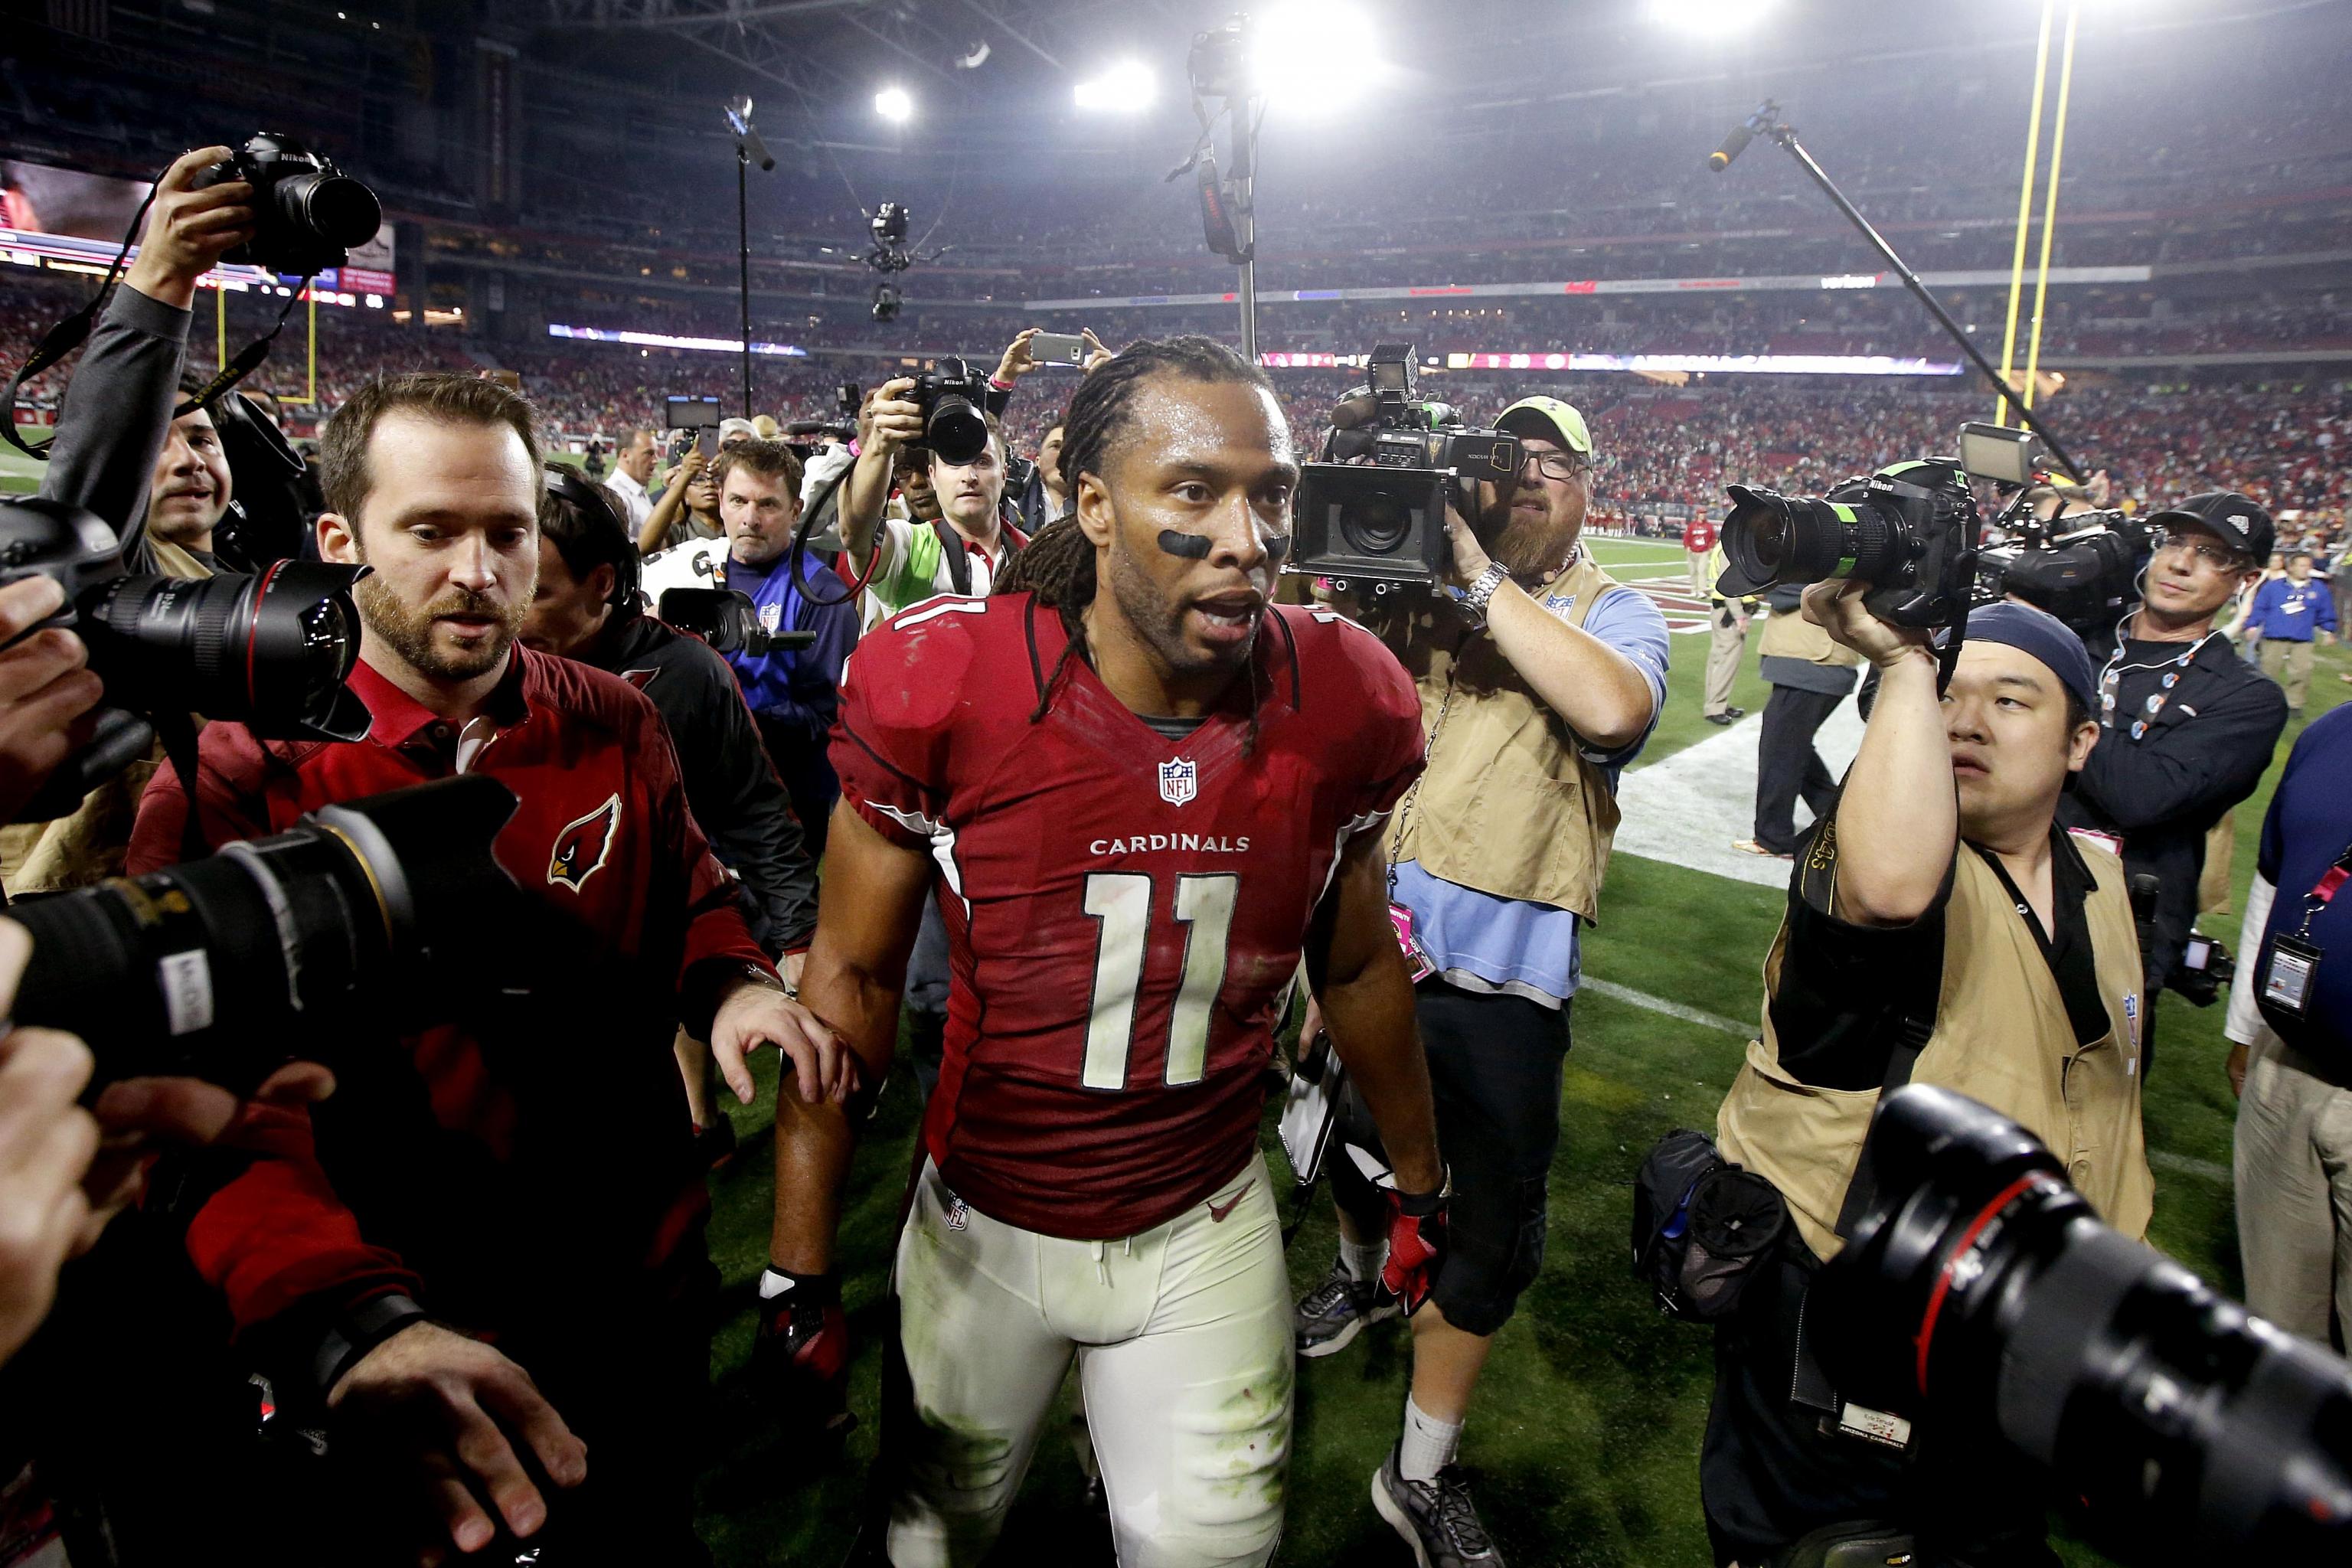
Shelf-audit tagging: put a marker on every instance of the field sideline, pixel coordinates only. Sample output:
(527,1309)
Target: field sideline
(1585,1441)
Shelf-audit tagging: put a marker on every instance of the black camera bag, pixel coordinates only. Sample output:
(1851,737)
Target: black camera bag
(1701,1226)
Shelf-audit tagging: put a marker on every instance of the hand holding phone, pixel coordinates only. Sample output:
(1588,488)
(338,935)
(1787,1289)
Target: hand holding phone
(1058,348)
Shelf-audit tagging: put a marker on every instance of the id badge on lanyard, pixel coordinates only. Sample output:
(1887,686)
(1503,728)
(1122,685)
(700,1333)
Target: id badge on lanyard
(2294,961)
(1416,959)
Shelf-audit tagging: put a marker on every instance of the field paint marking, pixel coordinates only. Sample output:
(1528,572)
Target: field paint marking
(1686,809)
(2189,1165)
(1626,993)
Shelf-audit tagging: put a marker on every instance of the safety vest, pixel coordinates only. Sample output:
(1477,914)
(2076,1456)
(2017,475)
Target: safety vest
(2002,1037)
(1507,805)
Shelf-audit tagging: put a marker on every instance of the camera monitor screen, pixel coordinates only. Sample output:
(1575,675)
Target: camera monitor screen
(1997,452)
(693,413)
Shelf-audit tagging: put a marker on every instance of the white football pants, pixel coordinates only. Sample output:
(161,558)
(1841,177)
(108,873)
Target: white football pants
(1182,1336)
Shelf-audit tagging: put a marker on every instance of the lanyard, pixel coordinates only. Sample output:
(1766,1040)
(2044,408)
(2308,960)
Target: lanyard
(2111,678)
(2323,890)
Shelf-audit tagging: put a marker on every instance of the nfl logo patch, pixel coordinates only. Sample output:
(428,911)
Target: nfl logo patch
(1179,781)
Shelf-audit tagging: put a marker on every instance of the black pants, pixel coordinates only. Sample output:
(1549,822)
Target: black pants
(1495,1065)
(1771,1472)
(1787,765)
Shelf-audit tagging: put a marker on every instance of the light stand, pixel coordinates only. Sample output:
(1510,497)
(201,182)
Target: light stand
(748,146)
(1245,210)
(1219,67)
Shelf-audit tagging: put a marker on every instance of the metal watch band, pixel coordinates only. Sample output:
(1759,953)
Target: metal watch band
(1483,590)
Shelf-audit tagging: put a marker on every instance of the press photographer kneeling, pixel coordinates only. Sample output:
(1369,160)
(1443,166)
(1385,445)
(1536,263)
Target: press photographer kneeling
(1941,927)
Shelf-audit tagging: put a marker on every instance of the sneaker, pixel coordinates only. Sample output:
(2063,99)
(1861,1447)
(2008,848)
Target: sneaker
(1436,1518)
(1332,1314)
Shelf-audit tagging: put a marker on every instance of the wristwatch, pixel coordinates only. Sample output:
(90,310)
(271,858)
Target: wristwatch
(1483,590)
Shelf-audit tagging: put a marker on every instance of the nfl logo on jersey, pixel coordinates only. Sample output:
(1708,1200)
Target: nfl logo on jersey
(1179,781)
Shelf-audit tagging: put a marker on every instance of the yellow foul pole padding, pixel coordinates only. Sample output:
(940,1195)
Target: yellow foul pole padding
(313,292)
(220,322)
(2024,209)
(2049,207)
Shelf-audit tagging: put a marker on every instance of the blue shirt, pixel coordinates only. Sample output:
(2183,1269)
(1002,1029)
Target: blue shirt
(2288,611)
(2309,824)
(1480,941)
(795,687)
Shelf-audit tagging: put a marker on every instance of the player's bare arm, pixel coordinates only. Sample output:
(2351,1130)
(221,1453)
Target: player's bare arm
(867,912)
(1360,981)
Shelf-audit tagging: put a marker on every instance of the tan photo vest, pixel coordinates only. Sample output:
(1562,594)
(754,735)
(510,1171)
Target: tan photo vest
(1507,804)
(2002,1037)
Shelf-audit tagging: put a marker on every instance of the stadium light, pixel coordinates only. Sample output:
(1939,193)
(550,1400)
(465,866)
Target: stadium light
(895,104)
(1312,57)
(1715,18)
(1125,87)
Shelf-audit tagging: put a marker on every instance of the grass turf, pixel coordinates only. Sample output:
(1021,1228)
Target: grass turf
(1584,1439)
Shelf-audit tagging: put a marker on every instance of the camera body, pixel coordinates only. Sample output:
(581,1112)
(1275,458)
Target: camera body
(1373,509)
(953,398)
(727,620)
(307,213)
(270,651)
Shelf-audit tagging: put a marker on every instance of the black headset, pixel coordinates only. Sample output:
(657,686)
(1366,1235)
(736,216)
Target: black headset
(567,485)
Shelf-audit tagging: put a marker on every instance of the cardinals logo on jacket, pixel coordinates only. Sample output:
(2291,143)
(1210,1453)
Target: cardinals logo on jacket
(582,849)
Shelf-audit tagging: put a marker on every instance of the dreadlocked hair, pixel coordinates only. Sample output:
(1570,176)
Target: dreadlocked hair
(1058,564)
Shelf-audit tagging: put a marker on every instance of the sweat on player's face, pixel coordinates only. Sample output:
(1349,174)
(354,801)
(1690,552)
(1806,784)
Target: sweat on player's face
(1206,460)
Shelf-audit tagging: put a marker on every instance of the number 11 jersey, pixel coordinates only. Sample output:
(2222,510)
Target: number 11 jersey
(1124,909)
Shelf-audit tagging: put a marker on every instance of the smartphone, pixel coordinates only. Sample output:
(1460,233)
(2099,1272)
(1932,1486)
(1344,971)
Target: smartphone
(692,413)
(706,441)
(1058,348)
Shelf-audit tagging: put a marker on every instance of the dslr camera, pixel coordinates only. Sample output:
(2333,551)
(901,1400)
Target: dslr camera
(1979,1291)
(1373,510)
(953,399)
(307,214)
(270,651)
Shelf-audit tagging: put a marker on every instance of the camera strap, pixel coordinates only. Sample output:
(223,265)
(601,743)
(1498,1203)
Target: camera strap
(70,333)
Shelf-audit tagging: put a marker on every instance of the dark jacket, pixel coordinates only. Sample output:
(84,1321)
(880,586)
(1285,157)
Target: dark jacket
(116,414)
(730,786)
(2203,751)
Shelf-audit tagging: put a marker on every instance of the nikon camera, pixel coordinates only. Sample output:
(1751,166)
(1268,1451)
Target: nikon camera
(954,399)
(1373,510)
(307,214)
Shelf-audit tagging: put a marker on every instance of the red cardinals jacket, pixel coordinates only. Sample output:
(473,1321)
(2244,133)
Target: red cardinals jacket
(509,1156)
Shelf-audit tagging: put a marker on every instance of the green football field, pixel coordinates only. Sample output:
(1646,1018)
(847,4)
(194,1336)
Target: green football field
(1583,1445)
(21,475)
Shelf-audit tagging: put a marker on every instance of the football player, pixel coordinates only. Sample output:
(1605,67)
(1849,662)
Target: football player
(1138,790)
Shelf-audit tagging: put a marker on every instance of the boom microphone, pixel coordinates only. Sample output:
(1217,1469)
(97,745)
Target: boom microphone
(1741,134)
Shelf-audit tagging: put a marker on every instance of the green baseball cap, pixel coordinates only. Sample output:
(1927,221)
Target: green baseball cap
(1547,417)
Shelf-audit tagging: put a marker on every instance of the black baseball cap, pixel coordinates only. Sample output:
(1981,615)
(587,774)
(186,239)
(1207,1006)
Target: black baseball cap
(2234,517)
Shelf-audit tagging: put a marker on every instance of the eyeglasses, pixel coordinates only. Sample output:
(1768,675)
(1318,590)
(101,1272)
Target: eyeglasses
(2219,557)
(1555,465)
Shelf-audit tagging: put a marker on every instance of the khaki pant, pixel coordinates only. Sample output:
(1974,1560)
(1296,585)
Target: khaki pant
(2213,888)
(2294,659)
(1698,581)
(2293,1159)
(1723,655)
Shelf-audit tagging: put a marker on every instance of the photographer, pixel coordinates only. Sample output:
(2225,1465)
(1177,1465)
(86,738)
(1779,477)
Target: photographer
(690,500)
(470,1175)
(115,428)
(1941,928)
(793,691)
(1728,622)
(2186,728)
(1540,678)
(1044,499)
(2288,613)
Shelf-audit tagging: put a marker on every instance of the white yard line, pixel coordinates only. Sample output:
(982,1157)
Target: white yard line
(1687,808)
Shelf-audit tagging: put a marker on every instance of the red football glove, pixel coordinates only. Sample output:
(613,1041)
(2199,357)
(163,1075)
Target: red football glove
(799,1362)
(1416,1246)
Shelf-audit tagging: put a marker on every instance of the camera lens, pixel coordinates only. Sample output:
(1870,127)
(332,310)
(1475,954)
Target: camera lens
(1376,522)
(1775,538)
(271,652)
(1982,1292)
(224,966)
(334,209)
(956,430)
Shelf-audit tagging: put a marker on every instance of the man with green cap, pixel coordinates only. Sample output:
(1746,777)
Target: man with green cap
(1540,678)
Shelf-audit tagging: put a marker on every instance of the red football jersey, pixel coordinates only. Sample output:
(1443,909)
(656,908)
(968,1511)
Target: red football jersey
(1123,910)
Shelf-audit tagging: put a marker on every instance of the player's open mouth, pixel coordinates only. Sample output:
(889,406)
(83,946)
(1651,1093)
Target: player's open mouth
(1229,618)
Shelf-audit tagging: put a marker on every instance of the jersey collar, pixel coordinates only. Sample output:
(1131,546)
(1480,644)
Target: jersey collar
(400,722)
